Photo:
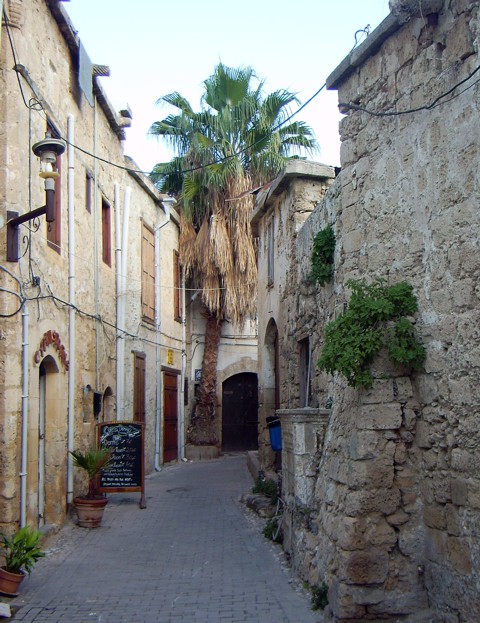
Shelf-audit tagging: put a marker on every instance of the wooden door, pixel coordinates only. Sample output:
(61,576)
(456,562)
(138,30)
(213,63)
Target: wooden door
(139,389)
(170,417)
(240,412)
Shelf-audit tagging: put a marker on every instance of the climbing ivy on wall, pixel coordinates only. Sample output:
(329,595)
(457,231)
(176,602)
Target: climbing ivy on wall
(375,318)
(322,255)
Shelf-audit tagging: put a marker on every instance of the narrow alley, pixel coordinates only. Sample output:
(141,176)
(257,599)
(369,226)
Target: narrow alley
(195,554)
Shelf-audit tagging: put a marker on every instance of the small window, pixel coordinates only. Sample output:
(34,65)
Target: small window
(270,250)
(148,273)
(177,299)
(106,233)
(305,370)
(88,191)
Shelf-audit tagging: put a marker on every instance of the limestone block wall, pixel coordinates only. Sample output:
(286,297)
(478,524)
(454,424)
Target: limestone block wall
(395,533)
(40,280)
(303,434)
(409,212)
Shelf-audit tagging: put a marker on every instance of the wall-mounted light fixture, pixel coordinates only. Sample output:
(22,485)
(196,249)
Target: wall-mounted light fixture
(47,150)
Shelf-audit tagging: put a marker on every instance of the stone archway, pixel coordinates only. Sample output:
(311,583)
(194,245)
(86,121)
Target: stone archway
(108,405)
(243,365)
(48,438)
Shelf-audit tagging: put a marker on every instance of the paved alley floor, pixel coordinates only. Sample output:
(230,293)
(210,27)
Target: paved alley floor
(194,555)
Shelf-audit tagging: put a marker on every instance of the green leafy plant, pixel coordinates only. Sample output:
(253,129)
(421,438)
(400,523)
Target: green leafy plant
(266,487)
(322,256)
(271,530)
(356,337)
(319,596)
(22,550)
(93,461)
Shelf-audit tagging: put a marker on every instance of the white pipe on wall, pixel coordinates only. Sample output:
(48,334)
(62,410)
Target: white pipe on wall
(120,402)
(158,356)
(24,449)
(96,267)
(71,298)
(182,375)
(126,217)
(122,304)
(167,203)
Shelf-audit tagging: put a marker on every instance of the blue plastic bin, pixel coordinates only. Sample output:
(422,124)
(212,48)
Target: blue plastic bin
(275,430)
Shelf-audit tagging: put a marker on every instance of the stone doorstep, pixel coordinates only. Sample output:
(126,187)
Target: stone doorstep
(201,453)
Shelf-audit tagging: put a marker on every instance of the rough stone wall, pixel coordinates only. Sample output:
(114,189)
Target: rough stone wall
(396,523)
(289,202)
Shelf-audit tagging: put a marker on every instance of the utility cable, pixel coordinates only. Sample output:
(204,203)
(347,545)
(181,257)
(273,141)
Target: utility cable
(343,106)
(366,30)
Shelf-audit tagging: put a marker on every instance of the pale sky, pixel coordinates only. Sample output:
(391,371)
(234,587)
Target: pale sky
(153,48)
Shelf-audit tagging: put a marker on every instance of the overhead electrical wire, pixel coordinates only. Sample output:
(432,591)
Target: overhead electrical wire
(436,102)
(366,30)
(342,106)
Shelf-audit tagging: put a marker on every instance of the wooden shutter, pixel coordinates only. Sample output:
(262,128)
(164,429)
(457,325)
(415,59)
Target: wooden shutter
(148,273)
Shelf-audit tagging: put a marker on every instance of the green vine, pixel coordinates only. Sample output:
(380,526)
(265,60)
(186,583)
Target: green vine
(353,339)
(322,256)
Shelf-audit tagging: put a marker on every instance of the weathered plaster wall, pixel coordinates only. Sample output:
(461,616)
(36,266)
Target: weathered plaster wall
(51,78)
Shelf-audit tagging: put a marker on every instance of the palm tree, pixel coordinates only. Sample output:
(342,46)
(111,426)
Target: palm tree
(238,141)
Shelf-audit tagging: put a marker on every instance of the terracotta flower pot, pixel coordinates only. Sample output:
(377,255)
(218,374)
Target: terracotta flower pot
(90,511)
(10,582)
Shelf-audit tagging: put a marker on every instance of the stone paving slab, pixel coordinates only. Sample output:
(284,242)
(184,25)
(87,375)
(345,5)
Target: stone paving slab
(195,554)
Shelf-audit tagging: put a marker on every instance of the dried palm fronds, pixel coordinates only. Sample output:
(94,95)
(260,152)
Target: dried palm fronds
(220,244)
(187,245)
(211,291)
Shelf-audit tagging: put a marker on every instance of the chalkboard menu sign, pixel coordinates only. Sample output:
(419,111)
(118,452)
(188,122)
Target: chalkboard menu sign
(126,470)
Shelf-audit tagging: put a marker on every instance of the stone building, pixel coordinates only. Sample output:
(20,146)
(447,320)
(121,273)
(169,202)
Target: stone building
(90,324)
(382,485)
(236,417)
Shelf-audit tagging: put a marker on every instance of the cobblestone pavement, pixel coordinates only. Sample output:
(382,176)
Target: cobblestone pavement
(194,555)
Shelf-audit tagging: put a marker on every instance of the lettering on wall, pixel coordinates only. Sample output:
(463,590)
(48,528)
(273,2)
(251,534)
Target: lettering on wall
(51,338)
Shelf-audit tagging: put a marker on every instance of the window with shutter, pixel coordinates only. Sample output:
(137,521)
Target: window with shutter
(148,274)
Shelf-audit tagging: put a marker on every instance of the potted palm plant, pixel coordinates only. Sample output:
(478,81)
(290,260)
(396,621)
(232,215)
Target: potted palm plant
(21,551)
(90,507)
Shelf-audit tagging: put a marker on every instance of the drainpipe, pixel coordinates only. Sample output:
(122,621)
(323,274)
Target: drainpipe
(120,339)
(96,268)
(24,452)
(122,303)
(182,375)
(71,298)
(167,205)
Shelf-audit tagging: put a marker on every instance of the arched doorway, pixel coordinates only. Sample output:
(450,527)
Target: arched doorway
(46,440)
(108,406)
(240,412)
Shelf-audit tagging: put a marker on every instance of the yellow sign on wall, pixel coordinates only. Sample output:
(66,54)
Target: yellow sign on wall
(170,357)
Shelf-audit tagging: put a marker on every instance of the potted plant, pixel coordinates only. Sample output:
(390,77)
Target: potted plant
(90,507)
(21,552)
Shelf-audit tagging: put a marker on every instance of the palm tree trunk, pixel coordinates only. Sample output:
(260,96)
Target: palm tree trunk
(203,429)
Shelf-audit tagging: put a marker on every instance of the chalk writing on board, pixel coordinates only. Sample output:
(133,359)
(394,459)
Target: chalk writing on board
(125,444)
(112,434)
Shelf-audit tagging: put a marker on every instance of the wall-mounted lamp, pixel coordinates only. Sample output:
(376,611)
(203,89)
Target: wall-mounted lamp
(47,150)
